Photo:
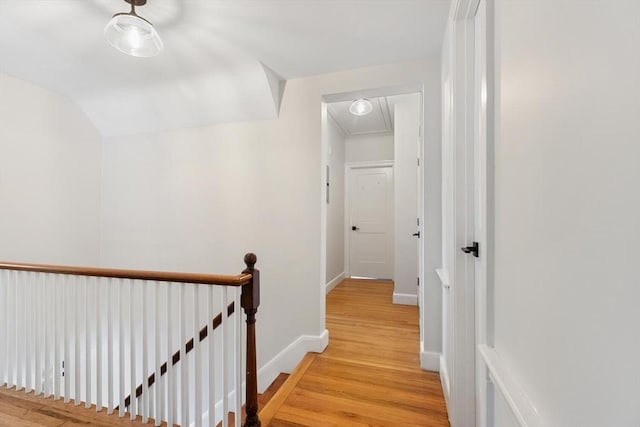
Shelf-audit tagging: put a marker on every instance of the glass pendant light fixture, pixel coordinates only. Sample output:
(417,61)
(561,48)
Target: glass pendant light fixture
(361,107)
(132,34)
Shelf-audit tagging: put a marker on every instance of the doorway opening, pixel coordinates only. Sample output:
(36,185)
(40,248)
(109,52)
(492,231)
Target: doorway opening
(371,207)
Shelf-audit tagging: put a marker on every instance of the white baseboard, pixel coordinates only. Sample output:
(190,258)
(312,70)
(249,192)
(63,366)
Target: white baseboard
(444,379)
(521,407)
(290,357)
(405,299)
(334,282)
(429,360)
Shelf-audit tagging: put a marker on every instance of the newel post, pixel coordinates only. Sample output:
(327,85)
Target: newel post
(250,303)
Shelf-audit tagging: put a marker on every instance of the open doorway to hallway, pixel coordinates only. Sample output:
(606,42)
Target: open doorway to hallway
(377,159)
(373,185)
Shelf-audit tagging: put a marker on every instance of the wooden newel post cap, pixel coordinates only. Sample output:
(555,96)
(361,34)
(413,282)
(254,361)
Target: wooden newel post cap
(250,260)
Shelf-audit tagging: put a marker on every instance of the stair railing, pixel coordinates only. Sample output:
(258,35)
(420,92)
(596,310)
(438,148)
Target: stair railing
(107,338)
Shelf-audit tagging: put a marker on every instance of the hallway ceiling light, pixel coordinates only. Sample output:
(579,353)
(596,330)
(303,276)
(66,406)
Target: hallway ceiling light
(132,34)
(361,107)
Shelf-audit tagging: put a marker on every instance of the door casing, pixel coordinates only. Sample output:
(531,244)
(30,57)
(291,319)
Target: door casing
(470,80)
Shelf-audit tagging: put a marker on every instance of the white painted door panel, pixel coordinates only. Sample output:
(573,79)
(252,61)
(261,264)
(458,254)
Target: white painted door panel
(371,206)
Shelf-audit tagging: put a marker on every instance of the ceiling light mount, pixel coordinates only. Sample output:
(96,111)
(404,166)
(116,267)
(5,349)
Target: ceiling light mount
(361,107)
(132,34)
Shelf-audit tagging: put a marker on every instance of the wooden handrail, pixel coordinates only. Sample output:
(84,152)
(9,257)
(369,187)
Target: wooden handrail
(158,276)
(175,358)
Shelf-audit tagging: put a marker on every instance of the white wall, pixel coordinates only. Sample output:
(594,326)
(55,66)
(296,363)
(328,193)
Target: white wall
(198,199)
(335,208)
(406,125)
(369,147)
(567,208)
(49,178)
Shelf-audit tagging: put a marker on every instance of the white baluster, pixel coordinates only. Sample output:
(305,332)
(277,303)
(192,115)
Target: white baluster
(36,349)
(41,333)
(225,382)
(238,356)
(27,334)
(171,390)
(121,366)
(20,330)
(4,303)
(8,326)
(158,387)
(58,334)
(17,319)
(11,331)
(47,324)
(13,339)
(87,342)
(66,365)
(110,285)
(211,338)
(184,366)
(4,331)
(197,359)
(132,343)
(145,355)
(77,361)
(99,332)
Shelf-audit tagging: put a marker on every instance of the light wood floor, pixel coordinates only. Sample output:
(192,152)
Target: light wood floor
(18,408)
(369,375)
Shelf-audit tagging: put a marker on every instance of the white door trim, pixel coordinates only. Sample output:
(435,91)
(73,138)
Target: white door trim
(467,292)
(348,168)
(482,83)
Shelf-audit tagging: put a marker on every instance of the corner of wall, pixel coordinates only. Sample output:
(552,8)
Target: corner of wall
(334,282)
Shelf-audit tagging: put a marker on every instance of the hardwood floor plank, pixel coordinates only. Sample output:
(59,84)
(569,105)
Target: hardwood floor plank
(370,373)
(318,409)
(276,402)
(268,394)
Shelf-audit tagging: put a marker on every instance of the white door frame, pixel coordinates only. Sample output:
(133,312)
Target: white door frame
(324,161)
(484,135)
(349,167)
(472,126)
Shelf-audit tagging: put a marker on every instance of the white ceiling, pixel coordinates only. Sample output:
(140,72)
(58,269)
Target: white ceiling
(222,58)
(380,120)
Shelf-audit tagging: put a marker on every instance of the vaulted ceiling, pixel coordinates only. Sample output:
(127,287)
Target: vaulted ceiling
(223,60)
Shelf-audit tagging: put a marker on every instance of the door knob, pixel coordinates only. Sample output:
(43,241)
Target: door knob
(354,228)
(473,249)
(416,234)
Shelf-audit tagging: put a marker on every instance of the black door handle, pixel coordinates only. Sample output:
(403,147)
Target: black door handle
(416,234)
(474,249)
(354,228)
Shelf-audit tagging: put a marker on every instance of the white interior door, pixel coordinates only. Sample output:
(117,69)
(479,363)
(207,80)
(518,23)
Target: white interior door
(371,222)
